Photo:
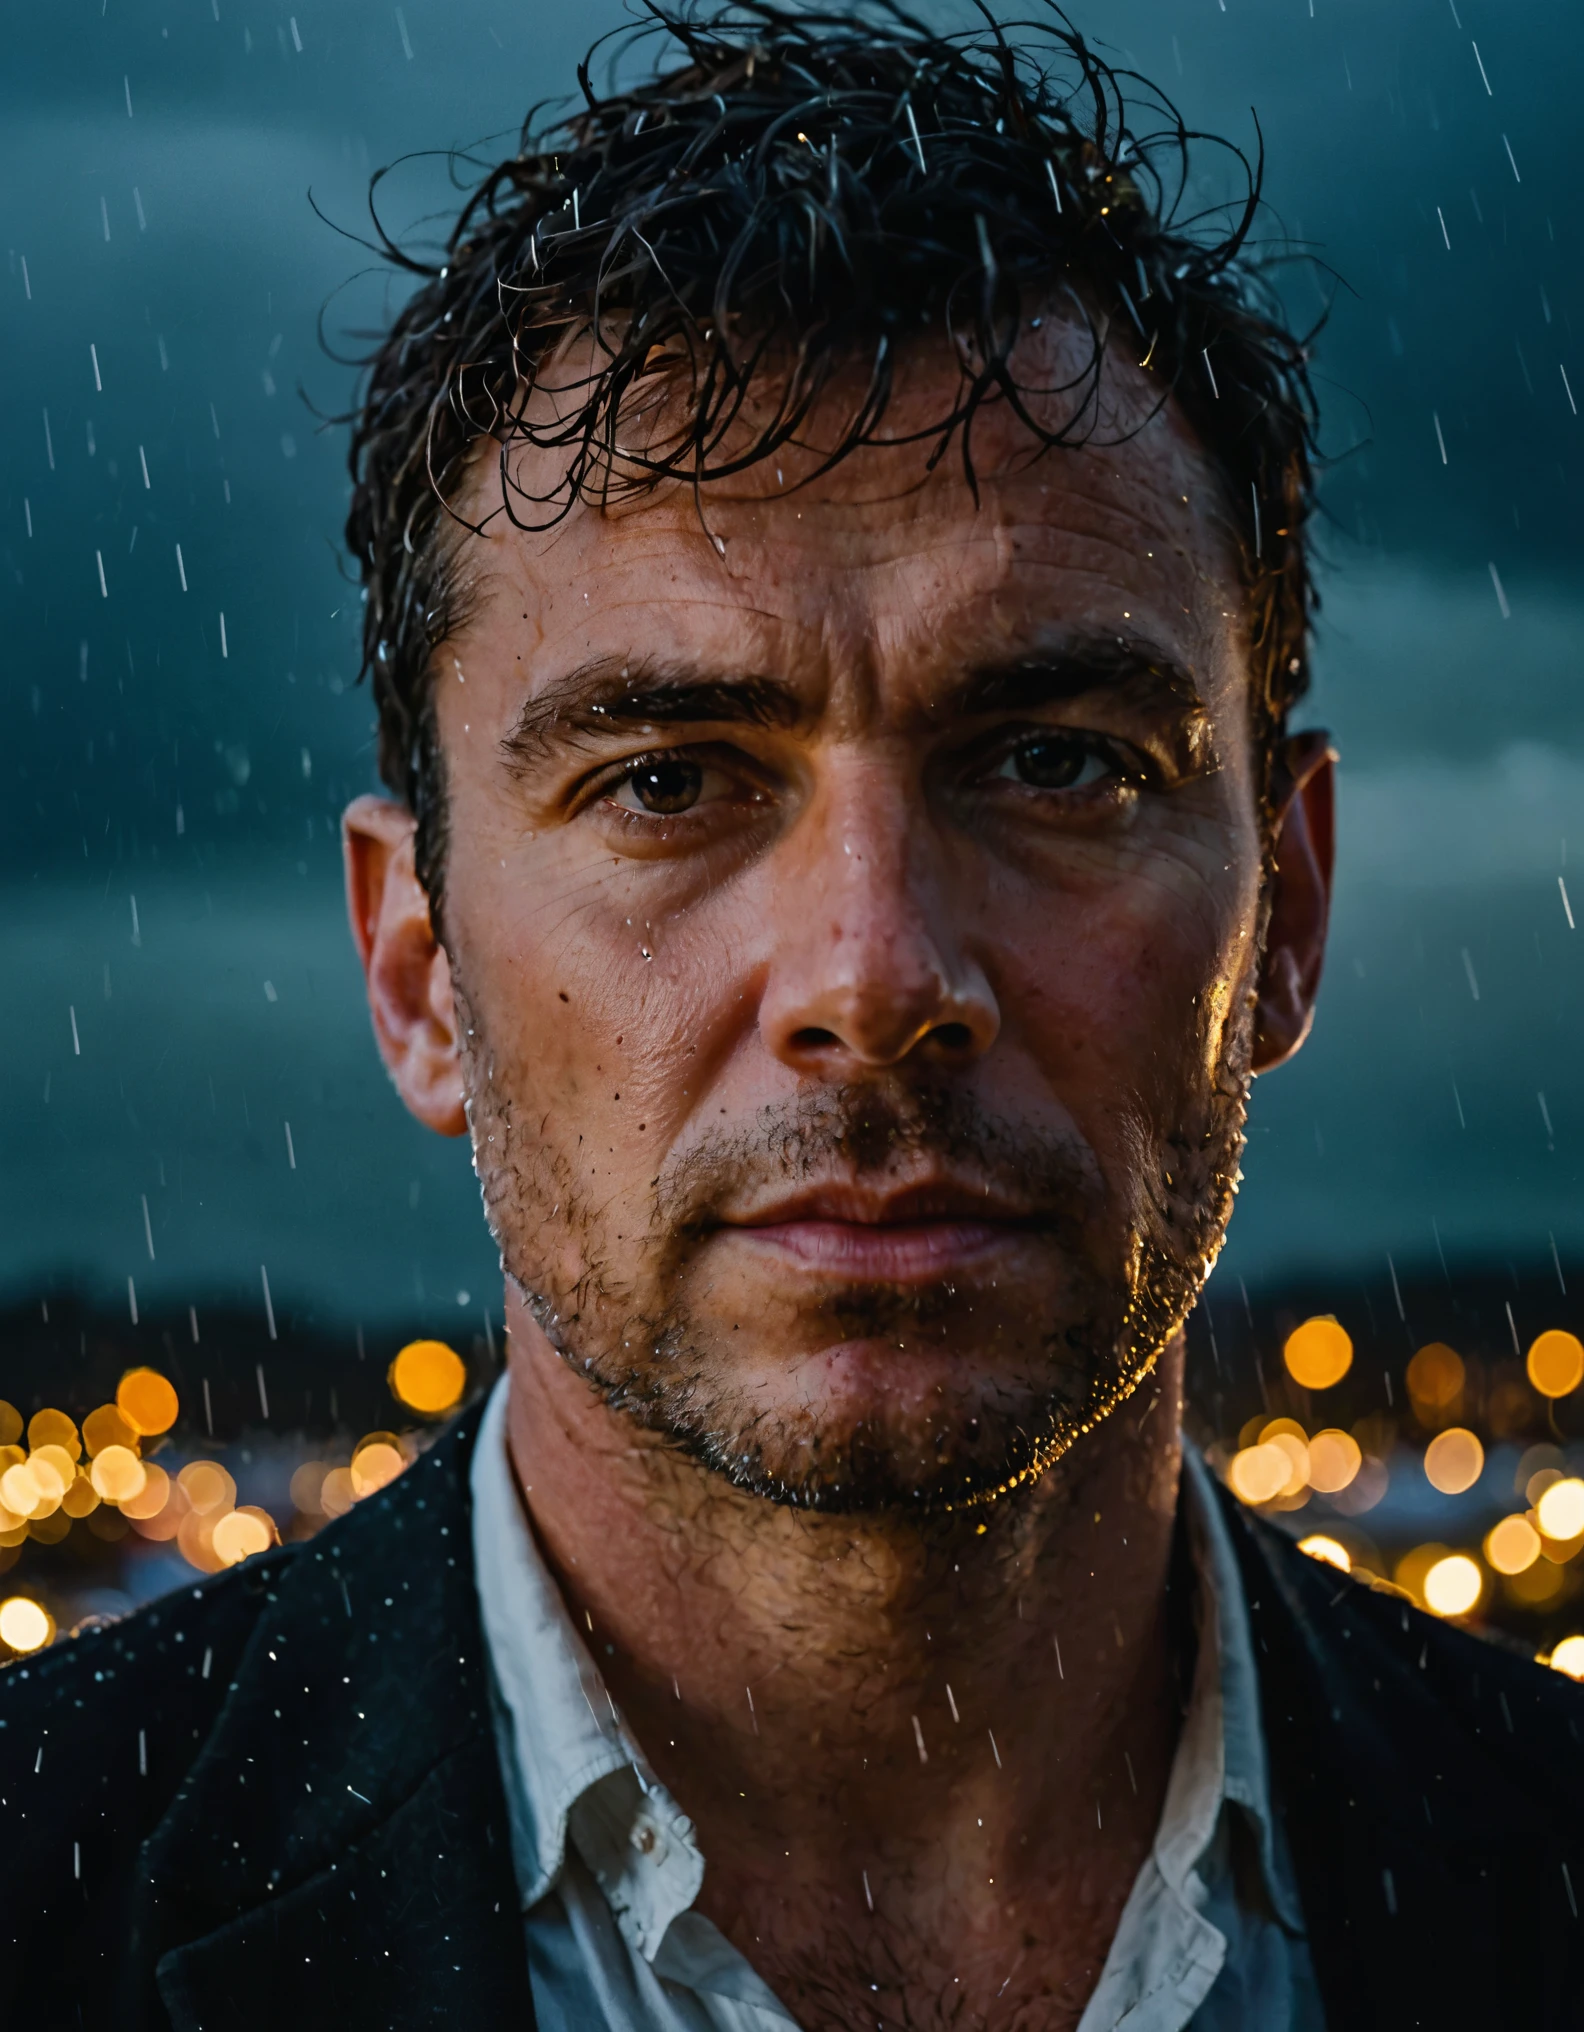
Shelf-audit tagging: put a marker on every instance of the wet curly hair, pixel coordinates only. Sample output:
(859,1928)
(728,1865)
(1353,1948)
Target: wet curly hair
(800,200)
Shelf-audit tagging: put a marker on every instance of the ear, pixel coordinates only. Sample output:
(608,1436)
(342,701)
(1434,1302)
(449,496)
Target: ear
(1300,897)
(405,967)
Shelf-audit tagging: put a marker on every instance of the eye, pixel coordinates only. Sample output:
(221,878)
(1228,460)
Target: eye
(663,786)
(1061,762)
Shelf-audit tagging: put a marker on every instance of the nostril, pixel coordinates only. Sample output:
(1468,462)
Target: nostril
(812,1039)
(952,1036)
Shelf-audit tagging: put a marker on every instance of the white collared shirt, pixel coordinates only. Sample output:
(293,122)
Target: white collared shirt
(609,1869)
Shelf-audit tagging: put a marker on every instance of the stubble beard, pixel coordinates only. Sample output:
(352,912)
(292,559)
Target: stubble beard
(619,1312)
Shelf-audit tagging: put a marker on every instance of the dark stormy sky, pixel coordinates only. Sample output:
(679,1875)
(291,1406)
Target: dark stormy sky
(167,839)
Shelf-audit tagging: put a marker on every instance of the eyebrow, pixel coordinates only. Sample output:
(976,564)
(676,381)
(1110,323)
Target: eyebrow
(606,696)
(610,695)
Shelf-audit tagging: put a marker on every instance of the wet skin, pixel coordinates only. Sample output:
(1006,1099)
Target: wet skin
(851,974)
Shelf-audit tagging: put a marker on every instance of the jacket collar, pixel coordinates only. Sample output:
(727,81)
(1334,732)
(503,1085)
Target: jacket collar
(341,1843)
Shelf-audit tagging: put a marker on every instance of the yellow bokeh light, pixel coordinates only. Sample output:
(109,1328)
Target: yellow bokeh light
(1436,1375)
(1258,1474)
(1454,1461)
(1318,1353)
(307,1485)
(1513,1545)
(53,1428)
(336,1493)
(428,1377)
(376,1462)
(117,1474)
(10,1424)
(1556,1363)
(207,1487)
(147,1401)
(240,1534)
(82,1498)
(1568,1657)
(1560,1510)
(1453,1585)
(1335,1458)
(24,1625)
(1319,1546)
(152,1497)
(106,1427)
(56,1457)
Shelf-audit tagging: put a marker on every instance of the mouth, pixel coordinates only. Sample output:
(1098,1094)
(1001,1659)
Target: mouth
(921,1234)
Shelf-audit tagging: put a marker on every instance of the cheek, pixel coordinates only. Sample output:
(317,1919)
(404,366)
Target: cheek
(1125,990)
(607,1017)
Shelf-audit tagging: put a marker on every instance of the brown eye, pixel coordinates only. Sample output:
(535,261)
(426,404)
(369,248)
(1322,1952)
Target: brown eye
(663,787)
(1058,762)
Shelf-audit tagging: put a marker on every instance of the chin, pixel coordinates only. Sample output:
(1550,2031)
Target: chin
(868,1425)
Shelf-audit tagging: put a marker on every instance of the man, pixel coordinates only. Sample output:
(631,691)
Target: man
(834,553)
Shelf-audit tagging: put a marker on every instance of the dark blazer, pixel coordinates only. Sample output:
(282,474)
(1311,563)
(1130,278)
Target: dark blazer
(271,1802)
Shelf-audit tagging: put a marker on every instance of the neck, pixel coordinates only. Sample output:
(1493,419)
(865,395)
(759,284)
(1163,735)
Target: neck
(880,1721)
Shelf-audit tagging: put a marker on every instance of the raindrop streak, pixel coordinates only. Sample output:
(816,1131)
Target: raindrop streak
(49,442)
(1473,979)
(137,929)
(137,204)
(127,87)
(1567,388)
(1566,905)
(104,590)
(76,1040)
(1485,81)
(224,652)
(401,23)
(291,1154)
(1440,440)
(182,569)
(269,1314)
(104,216)
(918,1737)
(1545,1116)
(148,1226)
(132,1300)
(1501,597)
(93,354)
(1060,1672)
(1511,159)
(258,1370)
(143,462)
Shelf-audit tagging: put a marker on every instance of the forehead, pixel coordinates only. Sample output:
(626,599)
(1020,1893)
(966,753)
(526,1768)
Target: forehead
(887,560)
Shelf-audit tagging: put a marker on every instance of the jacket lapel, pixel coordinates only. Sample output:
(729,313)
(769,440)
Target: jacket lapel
(341,1848)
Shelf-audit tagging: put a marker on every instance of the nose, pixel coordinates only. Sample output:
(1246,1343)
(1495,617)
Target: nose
(868,964)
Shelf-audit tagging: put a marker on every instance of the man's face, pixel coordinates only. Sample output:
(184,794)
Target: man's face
(853,901)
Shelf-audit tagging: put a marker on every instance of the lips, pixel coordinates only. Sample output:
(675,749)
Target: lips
(922,1233)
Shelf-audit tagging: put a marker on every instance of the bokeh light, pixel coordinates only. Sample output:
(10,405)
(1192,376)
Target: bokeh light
(1258,1474)
(1453,1585)
(240,1534)
(1559,1512)
(24,1625)
(1334,1460)
(54,1428)
(117,1474)
(151,1498)
(106,1427)
(1435,1377)
(1318,1353)
(1512,1546)
(1556,1363)
(1454,1460)
(428,1377)
(1568,1657)
(147,1401)
(1319,1546)
(378,1461)
(207,1487)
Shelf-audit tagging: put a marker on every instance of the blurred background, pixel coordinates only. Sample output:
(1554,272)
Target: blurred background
(202,1168)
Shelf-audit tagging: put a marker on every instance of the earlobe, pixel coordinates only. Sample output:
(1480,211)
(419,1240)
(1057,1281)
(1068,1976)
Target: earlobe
(405,969)
(1300,898)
